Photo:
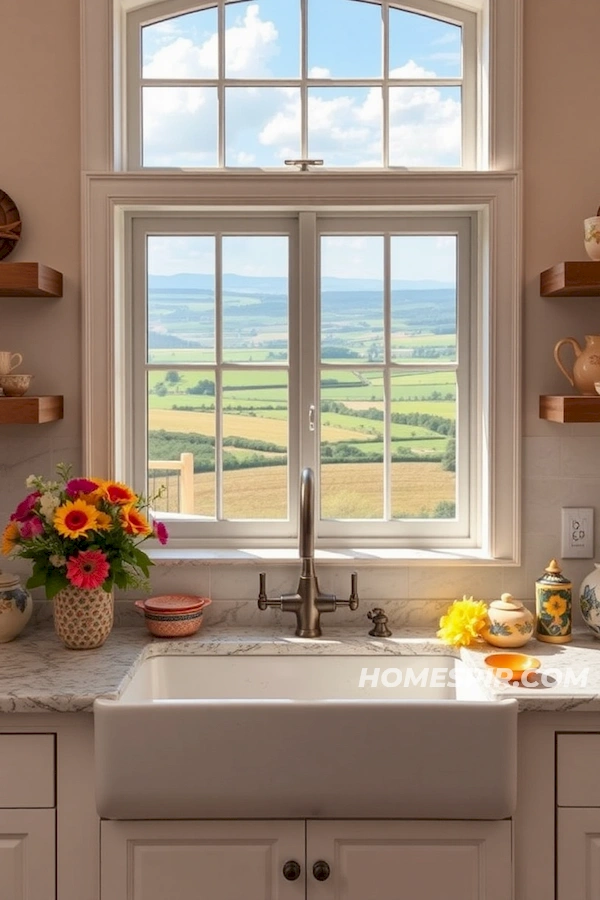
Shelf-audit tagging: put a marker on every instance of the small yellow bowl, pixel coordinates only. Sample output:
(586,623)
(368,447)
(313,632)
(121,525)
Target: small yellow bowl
(511,666)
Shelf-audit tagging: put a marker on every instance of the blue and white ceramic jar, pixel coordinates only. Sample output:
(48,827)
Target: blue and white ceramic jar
(589,600)
(16,607)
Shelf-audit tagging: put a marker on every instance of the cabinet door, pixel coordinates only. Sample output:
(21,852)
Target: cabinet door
(578,854)
(391,860)
(186,860)
(27,854)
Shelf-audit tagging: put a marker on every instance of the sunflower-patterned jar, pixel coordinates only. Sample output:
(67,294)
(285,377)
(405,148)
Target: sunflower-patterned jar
(553,606)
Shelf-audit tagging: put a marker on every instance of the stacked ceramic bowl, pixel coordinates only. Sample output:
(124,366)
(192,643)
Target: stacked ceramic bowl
(173,615)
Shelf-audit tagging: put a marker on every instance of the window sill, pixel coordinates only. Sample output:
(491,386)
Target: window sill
(357,557)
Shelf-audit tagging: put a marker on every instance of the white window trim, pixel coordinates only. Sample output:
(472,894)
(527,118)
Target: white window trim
(107,198)
(102,87)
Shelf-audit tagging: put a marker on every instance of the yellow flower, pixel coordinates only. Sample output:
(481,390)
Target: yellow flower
(10,538)
(463,622)
(555,606)
(103,522)
(75,518)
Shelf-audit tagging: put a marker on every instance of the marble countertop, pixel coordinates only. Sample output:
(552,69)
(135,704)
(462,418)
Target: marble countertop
(37,674)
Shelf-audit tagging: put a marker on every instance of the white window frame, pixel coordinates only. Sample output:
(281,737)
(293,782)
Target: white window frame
(109,194)
(304,364)
(472,113)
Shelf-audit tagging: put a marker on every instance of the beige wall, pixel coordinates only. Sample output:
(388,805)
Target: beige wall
(39,168)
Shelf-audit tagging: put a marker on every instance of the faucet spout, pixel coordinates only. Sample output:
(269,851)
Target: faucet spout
(307,515)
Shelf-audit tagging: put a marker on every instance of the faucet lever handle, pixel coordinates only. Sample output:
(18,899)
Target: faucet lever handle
(353,600)
(263,600)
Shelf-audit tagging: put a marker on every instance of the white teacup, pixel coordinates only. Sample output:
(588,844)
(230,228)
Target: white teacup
(9,361)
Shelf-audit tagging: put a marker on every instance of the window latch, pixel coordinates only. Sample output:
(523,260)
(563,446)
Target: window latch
(311,417)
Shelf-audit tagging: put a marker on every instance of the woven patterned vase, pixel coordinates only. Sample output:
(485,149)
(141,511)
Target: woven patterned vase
(83,619)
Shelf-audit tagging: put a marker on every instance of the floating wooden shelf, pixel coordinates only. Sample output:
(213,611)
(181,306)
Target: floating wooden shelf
(30,410)
(570,409)
(29,279)
(571,279)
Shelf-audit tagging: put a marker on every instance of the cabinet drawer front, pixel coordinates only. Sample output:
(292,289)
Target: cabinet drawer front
(26,770)
(577,758)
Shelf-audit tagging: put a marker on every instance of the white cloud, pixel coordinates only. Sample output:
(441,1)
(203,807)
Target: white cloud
(319,72)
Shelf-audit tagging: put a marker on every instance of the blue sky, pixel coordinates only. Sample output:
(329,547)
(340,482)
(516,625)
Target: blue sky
(262,40)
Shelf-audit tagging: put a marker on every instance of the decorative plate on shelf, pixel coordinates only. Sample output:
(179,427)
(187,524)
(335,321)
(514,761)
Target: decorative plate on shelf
(10,225)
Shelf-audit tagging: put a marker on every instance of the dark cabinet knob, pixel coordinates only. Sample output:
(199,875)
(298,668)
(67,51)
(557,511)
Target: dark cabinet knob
(291,870)
(321,870)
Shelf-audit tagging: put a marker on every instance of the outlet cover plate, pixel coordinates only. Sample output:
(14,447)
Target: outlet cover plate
(577,533)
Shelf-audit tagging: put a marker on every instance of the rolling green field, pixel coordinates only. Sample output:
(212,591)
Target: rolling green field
(182,406)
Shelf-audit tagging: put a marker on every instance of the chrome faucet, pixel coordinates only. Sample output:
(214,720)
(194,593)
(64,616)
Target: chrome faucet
(308,602)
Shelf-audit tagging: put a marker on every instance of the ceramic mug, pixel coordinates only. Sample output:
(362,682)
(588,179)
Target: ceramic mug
(9,361)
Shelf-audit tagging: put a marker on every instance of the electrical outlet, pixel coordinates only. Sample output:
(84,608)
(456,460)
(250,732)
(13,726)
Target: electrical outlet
(577,532)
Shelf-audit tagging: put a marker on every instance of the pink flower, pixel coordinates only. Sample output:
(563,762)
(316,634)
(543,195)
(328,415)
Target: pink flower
(31,527)
(160,529)
(88,569)
(25,506)
(80,486)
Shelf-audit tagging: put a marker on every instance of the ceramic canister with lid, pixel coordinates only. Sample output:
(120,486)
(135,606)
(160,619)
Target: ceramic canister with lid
(16,607)
(553,606)
(510,624)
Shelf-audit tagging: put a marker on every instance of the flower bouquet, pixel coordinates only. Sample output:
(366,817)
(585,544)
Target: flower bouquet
(83,536)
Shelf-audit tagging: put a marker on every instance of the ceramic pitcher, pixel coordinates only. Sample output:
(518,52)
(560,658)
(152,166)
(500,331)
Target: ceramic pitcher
(586,366)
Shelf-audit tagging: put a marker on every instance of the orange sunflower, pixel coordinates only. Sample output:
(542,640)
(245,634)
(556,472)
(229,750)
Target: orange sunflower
(75,518)
(116,492)
(134,522)
(10,537)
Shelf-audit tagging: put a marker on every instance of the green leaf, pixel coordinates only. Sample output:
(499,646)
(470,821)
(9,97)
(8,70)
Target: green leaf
(55,582)
(37,579)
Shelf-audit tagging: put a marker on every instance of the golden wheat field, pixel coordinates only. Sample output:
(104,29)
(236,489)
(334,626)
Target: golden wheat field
(253,427)
(352,490)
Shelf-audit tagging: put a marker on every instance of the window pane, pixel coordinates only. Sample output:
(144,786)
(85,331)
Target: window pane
(423,445)
(344,125)
(262,126)
(181,421)
(351,445)
(423,314)
(255,444)
(255,298)
(352,309)
(422,47)
(181,47)
(262,40)
(179,126)
(425,126)
(181,299)
(344,39)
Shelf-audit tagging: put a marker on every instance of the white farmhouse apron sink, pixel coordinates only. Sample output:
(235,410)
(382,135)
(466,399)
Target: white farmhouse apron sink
(306,736)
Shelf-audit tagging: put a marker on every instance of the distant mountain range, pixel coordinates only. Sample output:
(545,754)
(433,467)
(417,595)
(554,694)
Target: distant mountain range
(185,281)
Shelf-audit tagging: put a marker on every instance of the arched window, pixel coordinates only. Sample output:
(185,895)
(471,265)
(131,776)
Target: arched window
(245,320)
(251,83)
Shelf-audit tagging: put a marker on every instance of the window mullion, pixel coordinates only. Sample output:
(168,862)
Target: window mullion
(385,87)
(221,84)
(387,386)
(219,376)
(303,79)
(309,373)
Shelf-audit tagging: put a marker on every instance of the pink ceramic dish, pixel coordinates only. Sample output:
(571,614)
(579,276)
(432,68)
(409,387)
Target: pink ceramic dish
(166,604)
(178,623)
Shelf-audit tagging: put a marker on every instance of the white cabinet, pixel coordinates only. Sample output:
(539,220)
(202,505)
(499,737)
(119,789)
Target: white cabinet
(27,854)
(391,860)
(578,817)
(27,817)
(339,860)
(578,845)
(189,860)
